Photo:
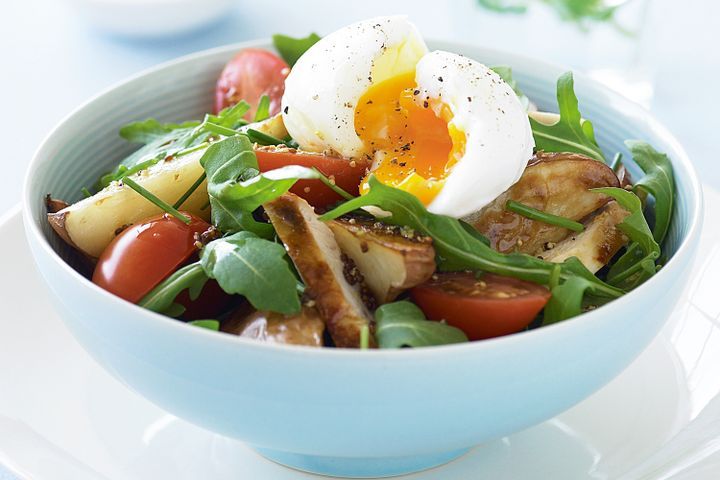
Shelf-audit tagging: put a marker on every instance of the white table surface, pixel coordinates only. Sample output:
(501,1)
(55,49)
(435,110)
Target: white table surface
(52,59)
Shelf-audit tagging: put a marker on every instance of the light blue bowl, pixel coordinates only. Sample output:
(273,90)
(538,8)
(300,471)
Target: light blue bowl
(347,412)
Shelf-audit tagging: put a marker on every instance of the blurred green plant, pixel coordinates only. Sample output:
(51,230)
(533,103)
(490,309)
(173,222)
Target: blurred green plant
(580,12)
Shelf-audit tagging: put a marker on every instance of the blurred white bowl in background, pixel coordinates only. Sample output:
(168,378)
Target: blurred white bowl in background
(151,18)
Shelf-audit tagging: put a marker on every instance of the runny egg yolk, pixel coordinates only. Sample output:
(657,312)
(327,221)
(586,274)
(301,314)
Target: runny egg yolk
(417,147)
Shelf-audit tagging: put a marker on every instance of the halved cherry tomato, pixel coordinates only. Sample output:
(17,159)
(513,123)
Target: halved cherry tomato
(144,254)
(347,174)
(251,74)
(487,307)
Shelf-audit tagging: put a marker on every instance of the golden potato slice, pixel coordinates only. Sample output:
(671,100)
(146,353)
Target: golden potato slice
(92,223)
(390,261)
(305,328)
(556,183)
(595,245)
(273,126)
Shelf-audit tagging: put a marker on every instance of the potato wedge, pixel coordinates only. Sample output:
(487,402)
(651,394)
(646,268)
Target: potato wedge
(90,224)
(389,261)
(595,245)
(273,126)
(546,118)
(305,328)
(318,259)
(557,183)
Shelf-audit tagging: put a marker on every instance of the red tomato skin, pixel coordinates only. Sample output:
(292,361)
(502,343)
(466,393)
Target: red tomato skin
(482,317)
(144,254)
(347,174)
(249,75)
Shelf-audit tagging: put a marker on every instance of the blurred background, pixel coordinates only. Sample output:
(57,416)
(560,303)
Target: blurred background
(58,53)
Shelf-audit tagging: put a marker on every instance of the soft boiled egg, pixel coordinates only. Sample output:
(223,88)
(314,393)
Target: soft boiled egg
(438,125)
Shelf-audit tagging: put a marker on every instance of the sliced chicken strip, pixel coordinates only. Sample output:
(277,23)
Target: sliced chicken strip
(318,259)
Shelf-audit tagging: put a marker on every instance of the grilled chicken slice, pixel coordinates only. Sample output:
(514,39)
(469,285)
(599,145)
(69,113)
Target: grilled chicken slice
(318,259)
(595,245)
(556,183)
(305,328)
(390,259)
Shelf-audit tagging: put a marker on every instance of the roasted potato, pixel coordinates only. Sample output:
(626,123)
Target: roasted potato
(556,183)
(273,126)
(391,261)
(595,245)
(90,224)
(305,328)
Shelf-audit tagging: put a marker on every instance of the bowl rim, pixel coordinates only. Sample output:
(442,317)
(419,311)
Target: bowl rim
(678,157)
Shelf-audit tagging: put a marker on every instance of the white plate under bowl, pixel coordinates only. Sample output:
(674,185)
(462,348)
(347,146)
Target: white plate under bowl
(62,417)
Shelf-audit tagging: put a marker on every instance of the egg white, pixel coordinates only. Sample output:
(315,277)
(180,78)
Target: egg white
(324,86)
(498,137)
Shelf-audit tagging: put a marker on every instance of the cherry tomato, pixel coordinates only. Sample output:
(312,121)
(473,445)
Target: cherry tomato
(251,74)
(482,308)
(144,254)
(347,174)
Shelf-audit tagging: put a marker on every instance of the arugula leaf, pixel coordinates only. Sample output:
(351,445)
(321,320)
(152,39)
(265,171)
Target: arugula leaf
(161,299)
(634,226)
(256,268)
(236,187)
(209,324)
(632,269)
(251,194)
(291,49)
(504,6)
(571,133)
(230,117)
(403,324)
(458,249)
(637,264)
(566,300)
(150,130)
(505,73)
(226,162)
(577,11)
(163,139)
(658,181)
(263,109)
(473,232)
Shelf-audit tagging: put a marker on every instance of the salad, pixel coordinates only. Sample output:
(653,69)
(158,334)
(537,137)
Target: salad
(360,191)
